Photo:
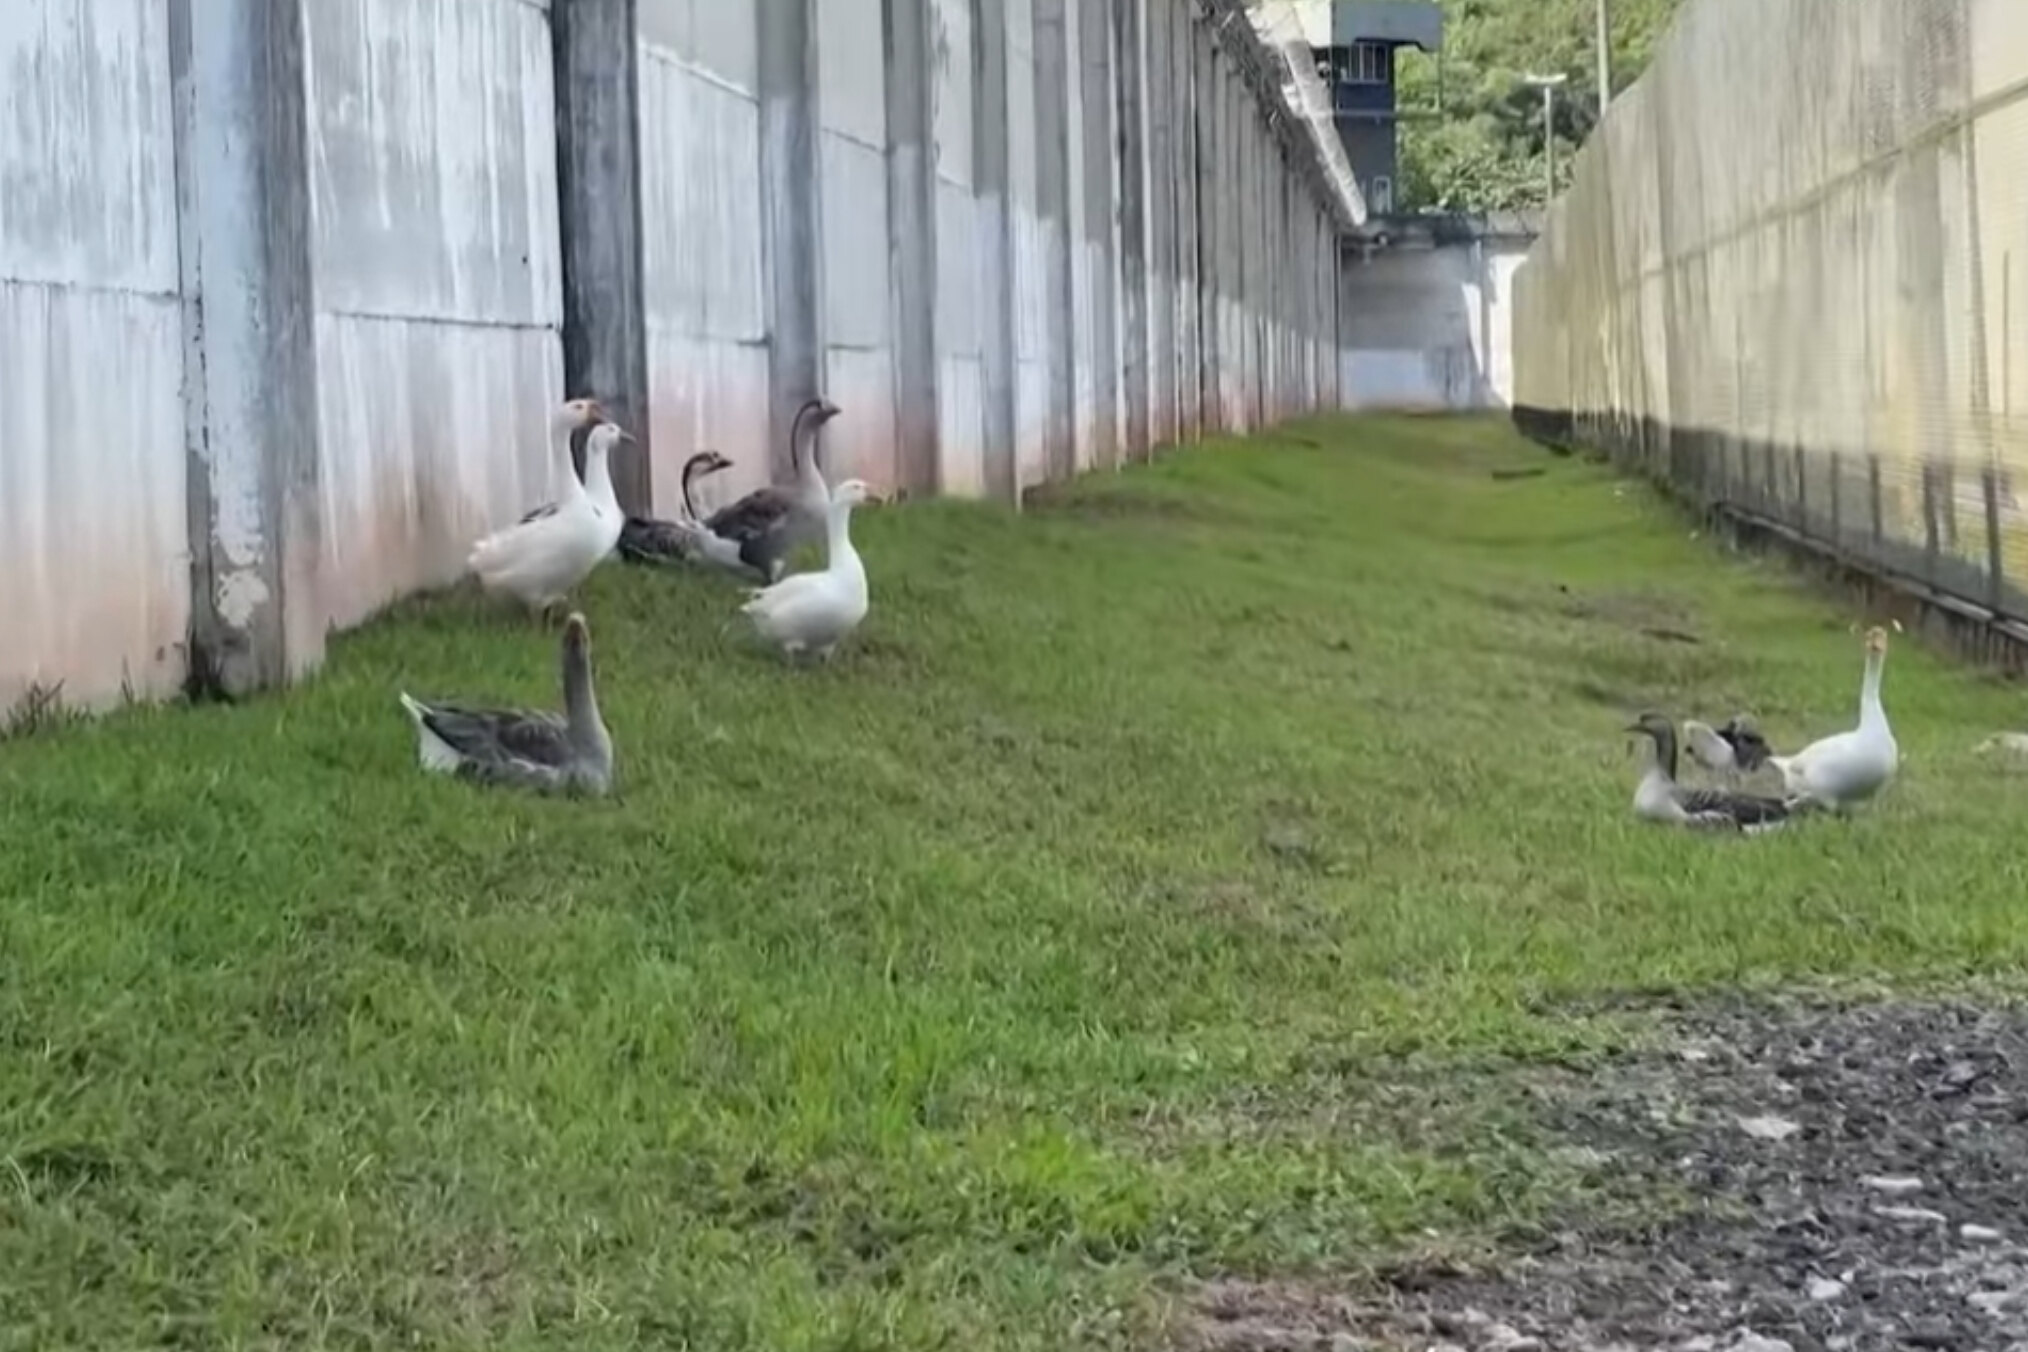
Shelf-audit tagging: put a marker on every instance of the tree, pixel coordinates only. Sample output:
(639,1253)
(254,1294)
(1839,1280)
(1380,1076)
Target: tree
(1484,151)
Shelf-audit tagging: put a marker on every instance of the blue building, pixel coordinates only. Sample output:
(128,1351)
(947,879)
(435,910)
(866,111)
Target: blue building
(1358,69)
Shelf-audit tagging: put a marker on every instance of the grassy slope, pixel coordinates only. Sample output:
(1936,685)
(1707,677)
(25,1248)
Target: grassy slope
(906,1003)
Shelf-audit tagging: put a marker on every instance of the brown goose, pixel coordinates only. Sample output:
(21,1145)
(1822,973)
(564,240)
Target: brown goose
(769,522)
(647,539)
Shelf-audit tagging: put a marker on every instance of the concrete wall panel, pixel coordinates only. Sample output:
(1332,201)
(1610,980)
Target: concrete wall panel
(94,568)
(435,257)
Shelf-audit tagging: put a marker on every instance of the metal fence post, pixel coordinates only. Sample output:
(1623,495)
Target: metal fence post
(1996,564)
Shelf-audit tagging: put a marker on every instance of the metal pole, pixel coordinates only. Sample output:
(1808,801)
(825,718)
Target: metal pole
(1605,61)
(1547,84)
(1549,143)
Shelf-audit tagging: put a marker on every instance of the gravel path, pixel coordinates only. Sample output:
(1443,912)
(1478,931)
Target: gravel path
(1855,1176)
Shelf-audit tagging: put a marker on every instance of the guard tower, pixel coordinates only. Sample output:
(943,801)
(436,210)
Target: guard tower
(1358,69)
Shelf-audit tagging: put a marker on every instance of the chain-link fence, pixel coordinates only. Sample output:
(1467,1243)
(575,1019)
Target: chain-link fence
(1785,281)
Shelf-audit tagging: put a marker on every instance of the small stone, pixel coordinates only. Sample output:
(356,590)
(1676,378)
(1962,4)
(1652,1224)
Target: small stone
(1507,1338)
(1895,1185)
(1823,1288)
(1979,1234)
(1746,1340)
(1912,1213)
(1769,1128)
(1990,1303)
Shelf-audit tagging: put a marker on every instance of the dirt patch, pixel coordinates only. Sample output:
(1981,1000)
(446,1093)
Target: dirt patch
(1807,1177)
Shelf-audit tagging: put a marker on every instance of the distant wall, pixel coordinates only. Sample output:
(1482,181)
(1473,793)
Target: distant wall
(1428,327)
(288,286)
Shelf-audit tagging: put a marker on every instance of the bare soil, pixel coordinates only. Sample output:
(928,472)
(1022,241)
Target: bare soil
(1817,1177)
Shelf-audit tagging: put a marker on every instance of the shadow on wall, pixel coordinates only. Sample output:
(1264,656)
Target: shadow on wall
(1426,324)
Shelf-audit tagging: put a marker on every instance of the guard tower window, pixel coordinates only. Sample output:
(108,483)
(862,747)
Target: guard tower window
(1369,63)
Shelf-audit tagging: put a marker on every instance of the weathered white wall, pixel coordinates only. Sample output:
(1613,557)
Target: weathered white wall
(1031,293)
(435,262)
(701,244)
(346,261)
(858,338)
(94,567)
(1429,328)
(961,256)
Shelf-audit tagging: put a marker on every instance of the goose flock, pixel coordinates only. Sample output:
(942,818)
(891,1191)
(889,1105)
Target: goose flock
(543,557)
(540,559)
(1835,773)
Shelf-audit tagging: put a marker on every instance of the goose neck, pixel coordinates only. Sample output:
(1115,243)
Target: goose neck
(598,478)
(1871,714)
(838,539)
(1665,752)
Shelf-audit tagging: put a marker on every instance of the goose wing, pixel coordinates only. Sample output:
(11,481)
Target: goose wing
(1745,811)
(498,739)
(546,509)
(755,514)
(645,539)
(1707,746)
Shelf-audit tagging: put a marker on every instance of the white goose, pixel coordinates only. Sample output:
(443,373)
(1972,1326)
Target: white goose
(567,418)
(1849,767)
(538,750)
(540,559)
(812,612)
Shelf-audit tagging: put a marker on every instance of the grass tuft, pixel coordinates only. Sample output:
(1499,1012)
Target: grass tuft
(960,993)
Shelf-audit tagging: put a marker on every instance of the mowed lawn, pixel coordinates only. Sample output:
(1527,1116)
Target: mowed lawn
(980,991)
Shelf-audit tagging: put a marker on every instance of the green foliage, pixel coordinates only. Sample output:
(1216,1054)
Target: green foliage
(1485,152)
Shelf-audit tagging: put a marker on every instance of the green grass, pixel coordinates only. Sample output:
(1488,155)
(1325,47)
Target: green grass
(967,994)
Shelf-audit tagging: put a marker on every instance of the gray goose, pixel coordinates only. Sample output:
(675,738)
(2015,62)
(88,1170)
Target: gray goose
(1659,798)
(548,752)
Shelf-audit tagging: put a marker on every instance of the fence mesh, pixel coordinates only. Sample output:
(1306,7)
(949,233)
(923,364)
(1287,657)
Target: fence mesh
(1783,280)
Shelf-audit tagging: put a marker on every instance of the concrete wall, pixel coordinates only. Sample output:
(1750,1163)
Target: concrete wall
(438,286)
(349,252)
(1783,282)
(1428,327)
(94,572)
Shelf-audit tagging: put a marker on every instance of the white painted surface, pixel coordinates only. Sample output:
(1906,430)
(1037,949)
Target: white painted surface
(858,337)
(439,287)
(94,561)
(1429,328)
(436,271)
(701,246)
